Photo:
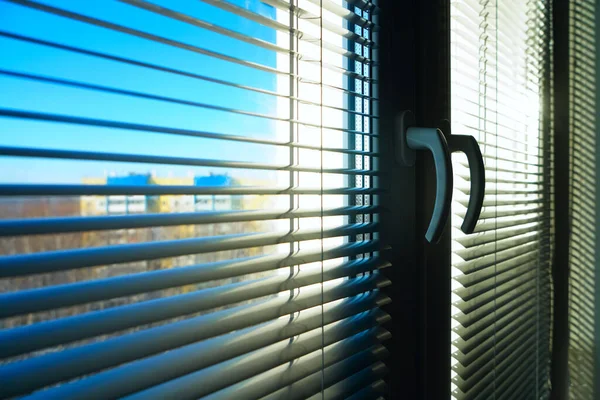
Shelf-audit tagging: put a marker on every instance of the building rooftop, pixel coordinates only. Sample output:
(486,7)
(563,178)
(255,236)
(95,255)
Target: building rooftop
(213,180)
(129,180)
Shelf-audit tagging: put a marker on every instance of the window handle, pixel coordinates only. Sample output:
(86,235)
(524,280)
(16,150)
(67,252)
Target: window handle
(432,139)
(468,145)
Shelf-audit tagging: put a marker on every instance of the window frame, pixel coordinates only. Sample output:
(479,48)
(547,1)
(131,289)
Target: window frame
(418,31)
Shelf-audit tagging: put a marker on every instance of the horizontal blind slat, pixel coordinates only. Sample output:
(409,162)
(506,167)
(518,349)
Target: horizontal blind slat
(225,5)
(506,308)
(507,222)
(483,340)
(187,74)
(324,23)
(95,357)
(37,226)
(352,384)
(51,297)
(151,159)
(248,39)
(502,244)
(506,201)
(117,190)
(348,15)
(188,359)
(495,213)
(51,261)
(298,387)
(476,264)
(476,290)
(500,234)
(492,354)
(519,351)
(495,269)
(134,32)
(166,99)
(184,46)
(37,116)
(207,328)
(303,387)
(488,300)
(50,333)
(273,379)
(377,390)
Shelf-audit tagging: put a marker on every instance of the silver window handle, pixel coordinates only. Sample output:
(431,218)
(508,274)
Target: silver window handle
(409,140)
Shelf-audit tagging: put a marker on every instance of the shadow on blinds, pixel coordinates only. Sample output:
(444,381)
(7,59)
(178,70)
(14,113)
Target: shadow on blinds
(583,296)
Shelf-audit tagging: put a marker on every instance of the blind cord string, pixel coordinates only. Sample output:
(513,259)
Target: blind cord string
(321,198)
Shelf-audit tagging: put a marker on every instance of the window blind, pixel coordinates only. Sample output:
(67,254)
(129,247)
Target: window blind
(501,295)
(189,200)
(582,169)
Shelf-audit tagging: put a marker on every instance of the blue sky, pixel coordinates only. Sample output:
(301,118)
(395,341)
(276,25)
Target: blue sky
(22,94)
